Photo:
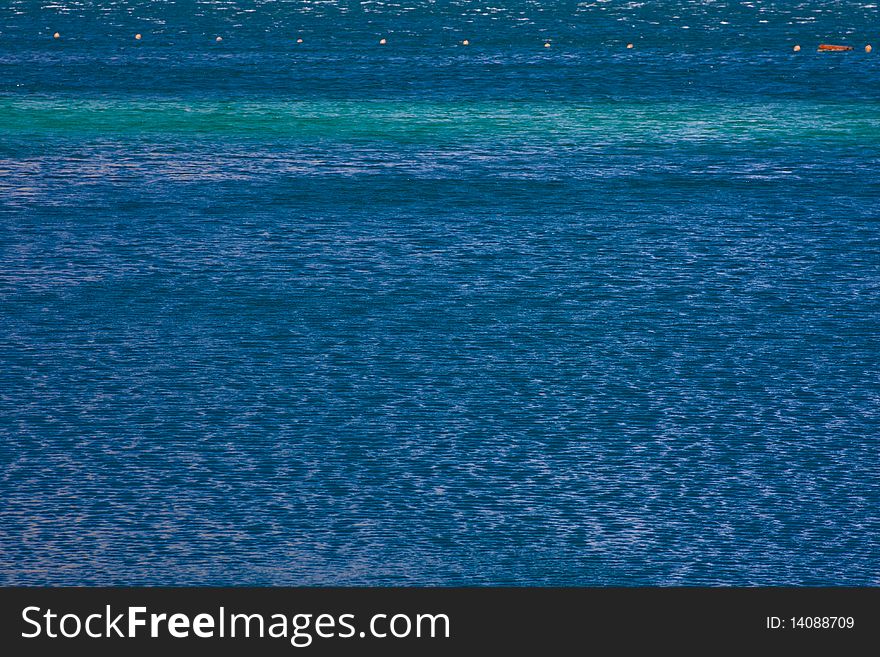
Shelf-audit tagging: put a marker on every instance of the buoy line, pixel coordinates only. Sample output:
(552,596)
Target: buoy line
(822,47)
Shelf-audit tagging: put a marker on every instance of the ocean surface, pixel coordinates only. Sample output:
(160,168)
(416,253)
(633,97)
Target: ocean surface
(421,313)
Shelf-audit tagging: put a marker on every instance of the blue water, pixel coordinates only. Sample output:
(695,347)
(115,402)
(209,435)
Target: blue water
(426,313)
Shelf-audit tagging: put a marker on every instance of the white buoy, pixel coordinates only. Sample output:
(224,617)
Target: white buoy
(219,39)
(547,44)
(299,40)
(382,42)
(629,46)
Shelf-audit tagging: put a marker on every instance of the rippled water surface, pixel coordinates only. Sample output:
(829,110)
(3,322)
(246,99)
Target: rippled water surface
(425,313)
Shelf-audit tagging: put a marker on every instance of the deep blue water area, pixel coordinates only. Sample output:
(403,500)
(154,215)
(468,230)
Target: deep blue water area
(337,312)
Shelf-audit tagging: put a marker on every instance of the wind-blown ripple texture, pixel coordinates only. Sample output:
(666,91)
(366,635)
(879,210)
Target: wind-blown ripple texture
(421,313)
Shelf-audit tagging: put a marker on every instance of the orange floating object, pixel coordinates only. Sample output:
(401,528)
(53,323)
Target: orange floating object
(825,47)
